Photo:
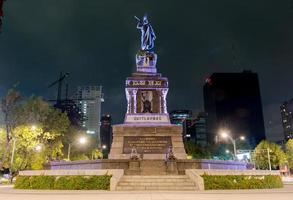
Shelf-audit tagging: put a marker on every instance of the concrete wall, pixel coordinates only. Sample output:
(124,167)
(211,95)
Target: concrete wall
(88,164)
(209,164)
(182,165)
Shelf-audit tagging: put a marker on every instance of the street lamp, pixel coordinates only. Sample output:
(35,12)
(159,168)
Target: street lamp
(225,134)
(34,127)
(81,140)
(267,150)
(38,148)
(104,147)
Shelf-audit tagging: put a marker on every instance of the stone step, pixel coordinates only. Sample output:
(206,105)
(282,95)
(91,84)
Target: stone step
(157,176)
(153,172)
(164,182)
(159,183)
(182,188)
(155,180)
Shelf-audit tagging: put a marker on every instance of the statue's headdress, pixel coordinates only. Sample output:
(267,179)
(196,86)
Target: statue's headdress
(145,19)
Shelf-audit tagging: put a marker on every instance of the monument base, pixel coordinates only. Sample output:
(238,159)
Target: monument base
(150,141)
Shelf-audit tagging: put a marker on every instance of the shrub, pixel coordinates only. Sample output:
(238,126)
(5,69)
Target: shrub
(4,181)
(63,182)
(42,182)
(22,182)
(212,182)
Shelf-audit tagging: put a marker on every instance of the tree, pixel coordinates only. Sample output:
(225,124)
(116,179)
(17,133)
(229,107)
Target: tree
(97,154)
(35,123)
(197,151)
(2,143)
(8,105)
(83,151)
(289,152)
(220,151)
(261,159)
(50,122)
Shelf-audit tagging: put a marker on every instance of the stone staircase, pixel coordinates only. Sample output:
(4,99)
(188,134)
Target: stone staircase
(154,182)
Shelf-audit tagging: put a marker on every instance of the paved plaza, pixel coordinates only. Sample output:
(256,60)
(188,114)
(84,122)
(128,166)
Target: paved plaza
(286,193)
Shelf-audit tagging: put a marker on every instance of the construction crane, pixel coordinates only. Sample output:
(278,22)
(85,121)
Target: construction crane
(59,82)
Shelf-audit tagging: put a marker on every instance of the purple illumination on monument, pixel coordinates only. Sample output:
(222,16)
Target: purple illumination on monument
(134,100)
(165,91)
(146,90)
(147,125)
(128,100)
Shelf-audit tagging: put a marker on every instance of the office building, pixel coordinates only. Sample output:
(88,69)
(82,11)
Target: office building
(232,102)
(106,132)
(89,99)
(287,118)
(183,118)
(200,128)
(178,116)
(194,128)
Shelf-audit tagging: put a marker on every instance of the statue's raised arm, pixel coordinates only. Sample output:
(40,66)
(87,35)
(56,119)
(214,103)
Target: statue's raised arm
(147,34)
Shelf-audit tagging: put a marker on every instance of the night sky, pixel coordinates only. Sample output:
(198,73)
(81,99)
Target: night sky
(96,41)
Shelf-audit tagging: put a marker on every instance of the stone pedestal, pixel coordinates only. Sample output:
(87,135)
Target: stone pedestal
(147,131)
(134,167)
(150,141)
(172,167)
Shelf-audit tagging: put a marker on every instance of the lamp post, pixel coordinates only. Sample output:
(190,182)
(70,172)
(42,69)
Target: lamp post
(267,150)
(12,158)
(224,134)
(269,159)
(81,140)
(104,147)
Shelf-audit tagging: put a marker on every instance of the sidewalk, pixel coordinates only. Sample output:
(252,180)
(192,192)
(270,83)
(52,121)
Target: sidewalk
(286,193)
(8,189)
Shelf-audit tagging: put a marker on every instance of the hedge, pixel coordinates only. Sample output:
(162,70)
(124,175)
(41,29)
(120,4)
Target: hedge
(221,182)
(63,182)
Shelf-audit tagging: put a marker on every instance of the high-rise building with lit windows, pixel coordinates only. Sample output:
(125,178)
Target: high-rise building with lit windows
(89,99)
(194,128)
(183,118)
(287,118)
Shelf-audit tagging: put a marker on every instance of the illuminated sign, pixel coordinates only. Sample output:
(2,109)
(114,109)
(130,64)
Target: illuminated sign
(147,118)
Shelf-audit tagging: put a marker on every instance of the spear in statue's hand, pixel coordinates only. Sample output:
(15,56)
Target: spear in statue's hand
(137,18)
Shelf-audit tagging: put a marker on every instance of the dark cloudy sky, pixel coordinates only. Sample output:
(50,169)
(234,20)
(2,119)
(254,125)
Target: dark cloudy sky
(96,41)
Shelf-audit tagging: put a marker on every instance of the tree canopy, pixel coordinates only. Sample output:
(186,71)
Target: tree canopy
(260,155)
(289,152)
(33,129)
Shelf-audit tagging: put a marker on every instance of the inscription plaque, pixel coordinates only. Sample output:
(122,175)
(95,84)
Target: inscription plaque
(147,144)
